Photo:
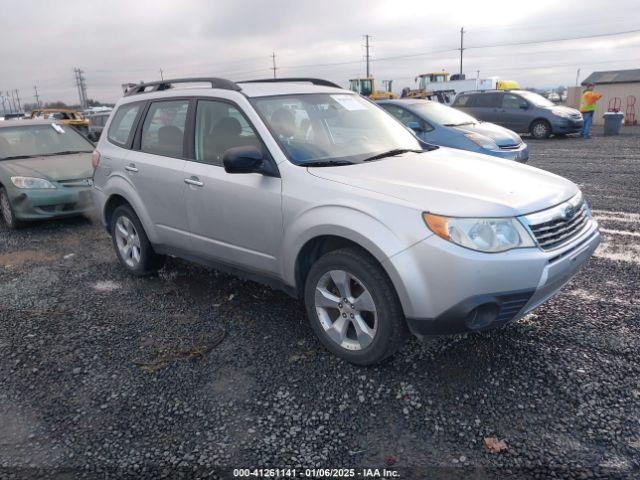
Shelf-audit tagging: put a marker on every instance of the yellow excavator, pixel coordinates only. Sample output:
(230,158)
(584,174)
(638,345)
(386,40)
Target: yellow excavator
(367,88)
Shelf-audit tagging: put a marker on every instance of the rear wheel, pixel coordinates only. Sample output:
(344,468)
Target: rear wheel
(132,246)
(540,129)
(7,211)
(353,308)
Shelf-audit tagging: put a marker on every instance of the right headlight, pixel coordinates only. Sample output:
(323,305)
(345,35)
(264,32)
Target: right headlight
(482,141)
(489,235)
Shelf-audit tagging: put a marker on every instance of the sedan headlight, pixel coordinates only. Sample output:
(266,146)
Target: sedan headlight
(482,234)
(31,182)
(482,141)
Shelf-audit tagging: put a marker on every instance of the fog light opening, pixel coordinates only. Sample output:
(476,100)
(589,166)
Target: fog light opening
(482,316)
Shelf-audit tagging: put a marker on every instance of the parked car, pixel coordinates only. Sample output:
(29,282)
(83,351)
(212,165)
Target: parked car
(97,122)
(445,126)
(12,115)
(45,171)
(521,111)
(315,190)
(64,116)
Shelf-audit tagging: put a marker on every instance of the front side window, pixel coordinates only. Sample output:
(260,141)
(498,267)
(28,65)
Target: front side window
(123,120)
(513,102)
(219,127)
(163,128)
(41,140)
(324,127)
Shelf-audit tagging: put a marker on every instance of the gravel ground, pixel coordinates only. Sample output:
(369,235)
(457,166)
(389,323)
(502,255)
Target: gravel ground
(190,372)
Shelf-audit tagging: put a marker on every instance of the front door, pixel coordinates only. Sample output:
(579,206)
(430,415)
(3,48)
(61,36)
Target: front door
(233,218)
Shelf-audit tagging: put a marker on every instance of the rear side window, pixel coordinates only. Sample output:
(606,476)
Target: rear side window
(488,100)
(163,128)
(123,120)
(462,101)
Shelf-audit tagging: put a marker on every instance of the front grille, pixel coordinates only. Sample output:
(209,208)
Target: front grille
(509,147)
(562,227)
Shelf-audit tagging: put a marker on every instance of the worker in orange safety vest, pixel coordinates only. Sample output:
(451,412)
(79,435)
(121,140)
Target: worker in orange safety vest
(588,108)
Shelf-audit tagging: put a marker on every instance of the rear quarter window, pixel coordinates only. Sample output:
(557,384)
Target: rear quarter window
(122,124)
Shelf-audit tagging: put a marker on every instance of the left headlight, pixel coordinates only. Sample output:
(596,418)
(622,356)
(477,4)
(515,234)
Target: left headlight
(561,113)
(481,234)
(31,182)
(482,141)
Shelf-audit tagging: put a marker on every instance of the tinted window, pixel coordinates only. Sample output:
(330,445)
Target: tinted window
(487,100)
(163,128)
(120,128)
(405,116)
(219,127)
(513,101)
(462,100)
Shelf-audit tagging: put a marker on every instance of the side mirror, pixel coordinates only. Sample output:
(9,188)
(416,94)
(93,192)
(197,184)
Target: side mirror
(524,106)
(245,160)
(416,127)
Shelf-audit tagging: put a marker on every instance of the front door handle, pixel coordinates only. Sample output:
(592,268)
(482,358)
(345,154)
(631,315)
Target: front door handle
(195,181)
(131,168)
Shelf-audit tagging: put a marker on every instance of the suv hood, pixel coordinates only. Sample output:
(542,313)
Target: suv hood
(562,108)
(55,167)
(456,183)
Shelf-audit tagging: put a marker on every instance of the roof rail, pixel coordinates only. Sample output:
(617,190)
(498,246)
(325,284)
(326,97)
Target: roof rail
(136,88)
(314,81)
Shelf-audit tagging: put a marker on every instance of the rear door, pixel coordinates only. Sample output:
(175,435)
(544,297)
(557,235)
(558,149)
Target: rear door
(513,114)
(234,218)
(155,168)
(486,106)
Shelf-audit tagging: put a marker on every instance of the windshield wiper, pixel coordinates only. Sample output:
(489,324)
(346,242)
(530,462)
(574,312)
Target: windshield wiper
(391,153)
(325,163)
(65,152)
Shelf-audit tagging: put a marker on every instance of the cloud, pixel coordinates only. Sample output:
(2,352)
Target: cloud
(116,42)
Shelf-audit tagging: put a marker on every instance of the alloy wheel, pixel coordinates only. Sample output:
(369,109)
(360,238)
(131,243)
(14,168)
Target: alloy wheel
(346,310)
(128,241)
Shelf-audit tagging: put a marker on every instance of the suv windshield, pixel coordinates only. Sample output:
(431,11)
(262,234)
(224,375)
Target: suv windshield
(334,129)
(38,140)
(438,114)
(536,99)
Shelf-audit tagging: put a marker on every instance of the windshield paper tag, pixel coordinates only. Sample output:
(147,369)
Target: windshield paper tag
(349,102)
(57,128)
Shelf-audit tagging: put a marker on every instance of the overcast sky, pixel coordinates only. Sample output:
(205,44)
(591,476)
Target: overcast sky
(127,41)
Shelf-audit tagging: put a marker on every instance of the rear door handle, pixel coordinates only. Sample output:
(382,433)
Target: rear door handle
(131,168)
(195,181)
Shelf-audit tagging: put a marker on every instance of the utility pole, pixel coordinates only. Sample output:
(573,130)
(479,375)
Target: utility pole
(461,47)
(161,75)
(273,62)
(35,88)
(82,87)
(577,77)
(366,54)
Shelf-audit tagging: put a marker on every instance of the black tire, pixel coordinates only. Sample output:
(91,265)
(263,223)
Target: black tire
(150,262)
(540,129)
(391,330)
(6,211)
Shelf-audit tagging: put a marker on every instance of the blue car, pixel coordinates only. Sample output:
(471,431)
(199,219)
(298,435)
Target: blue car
(439,124)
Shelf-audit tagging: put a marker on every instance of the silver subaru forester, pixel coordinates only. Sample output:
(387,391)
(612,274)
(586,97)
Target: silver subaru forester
(313,189)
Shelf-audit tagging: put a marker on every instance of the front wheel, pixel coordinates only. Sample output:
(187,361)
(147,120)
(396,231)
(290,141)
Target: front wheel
(540,129)
(7,211)
(353,307)
(132,246)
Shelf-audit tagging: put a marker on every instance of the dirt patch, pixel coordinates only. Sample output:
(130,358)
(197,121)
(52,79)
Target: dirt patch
(24,257)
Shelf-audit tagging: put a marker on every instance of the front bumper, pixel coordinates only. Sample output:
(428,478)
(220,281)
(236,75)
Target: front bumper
(36,204)
(520,154)
(448,289)
(564,126)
